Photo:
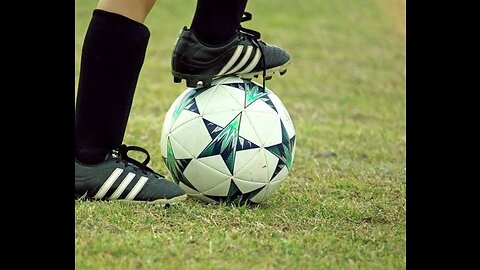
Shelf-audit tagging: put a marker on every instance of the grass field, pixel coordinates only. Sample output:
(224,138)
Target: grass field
(343,205)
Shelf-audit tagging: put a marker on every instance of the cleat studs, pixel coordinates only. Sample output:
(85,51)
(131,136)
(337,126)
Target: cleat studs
(268,77)
(177,80)
(256,76)
(207,83)
(283,72)
(192,83)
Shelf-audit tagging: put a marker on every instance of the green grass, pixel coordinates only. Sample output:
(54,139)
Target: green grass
(343,205)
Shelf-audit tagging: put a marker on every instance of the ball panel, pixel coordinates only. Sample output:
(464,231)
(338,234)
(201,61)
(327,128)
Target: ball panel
(276,134)
(202,100)
(188,189)
(283,114)
(203,198)
(247,131)
(183,118)
(237,94)
(272,162)
(178,150)
(281,175)
(266,126)
(267,191)
(197,173)
(194,194)
(221,101)
(219,190)
(222,118)
(192,143)
(227,80)
(163,146)
(260,106)
(246,186)
(255,170)
(260,196)
(243,158)
(215,163)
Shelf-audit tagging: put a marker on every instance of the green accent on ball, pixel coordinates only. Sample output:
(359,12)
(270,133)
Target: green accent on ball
(225,143)
(253,93)
(177,166)
(188,102)
(284,150)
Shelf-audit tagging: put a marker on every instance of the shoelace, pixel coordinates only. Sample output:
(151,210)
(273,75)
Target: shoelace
(255,38)
(122,156)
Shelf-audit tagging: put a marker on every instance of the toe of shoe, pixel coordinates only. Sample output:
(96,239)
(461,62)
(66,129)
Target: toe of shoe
(276,56)
(159,188)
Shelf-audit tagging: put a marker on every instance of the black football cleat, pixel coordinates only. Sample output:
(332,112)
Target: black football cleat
(122,178)
(244,56)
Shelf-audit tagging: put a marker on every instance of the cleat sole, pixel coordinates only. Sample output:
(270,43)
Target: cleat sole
(193,81)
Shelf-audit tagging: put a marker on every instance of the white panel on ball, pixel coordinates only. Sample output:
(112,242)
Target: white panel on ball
(267,127)
(203,177)
(215,163)
(276,136)
(163,146)
(182,119)
(283,114)
(196,143)
(227,80)
(282,174)
(243,158)
(260,196)
(260,106)
(272,161)
(237,94)
(165,131)
(220,190)
(202,100)
(247,186)
(203,198)
(267,191)
(247,131)
(195,194)
(222,119)
(178,151)
(256,171)
(221,101)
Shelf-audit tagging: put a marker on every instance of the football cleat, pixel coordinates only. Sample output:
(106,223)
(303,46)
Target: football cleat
(123,178)
(245,56)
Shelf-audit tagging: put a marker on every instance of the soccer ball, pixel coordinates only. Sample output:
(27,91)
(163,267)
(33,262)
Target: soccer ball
(229,142)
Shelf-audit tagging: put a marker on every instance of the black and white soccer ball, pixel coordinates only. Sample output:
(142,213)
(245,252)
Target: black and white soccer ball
(230,142)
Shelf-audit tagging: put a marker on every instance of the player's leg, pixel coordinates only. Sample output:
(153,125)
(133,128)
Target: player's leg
(136,10)
(112,57)
(217,45)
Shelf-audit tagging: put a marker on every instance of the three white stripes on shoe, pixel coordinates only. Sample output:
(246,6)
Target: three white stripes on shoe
(227,69)
(123,185)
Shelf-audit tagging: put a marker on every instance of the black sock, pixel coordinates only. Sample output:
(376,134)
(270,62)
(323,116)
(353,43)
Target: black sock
(215,21)
(112,57)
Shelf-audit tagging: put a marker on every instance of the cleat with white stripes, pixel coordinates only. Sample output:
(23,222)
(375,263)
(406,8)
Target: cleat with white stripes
(245,56)
(122,178)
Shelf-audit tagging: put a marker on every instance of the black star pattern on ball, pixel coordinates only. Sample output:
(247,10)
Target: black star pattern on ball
(253,92)
(177,166)
(283,151)
(226,141)
(236,196)
(188,103)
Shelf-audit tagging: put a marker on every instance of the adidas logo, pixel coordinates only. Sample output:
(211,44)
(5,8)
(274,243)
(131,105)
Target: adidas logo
(114,177)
